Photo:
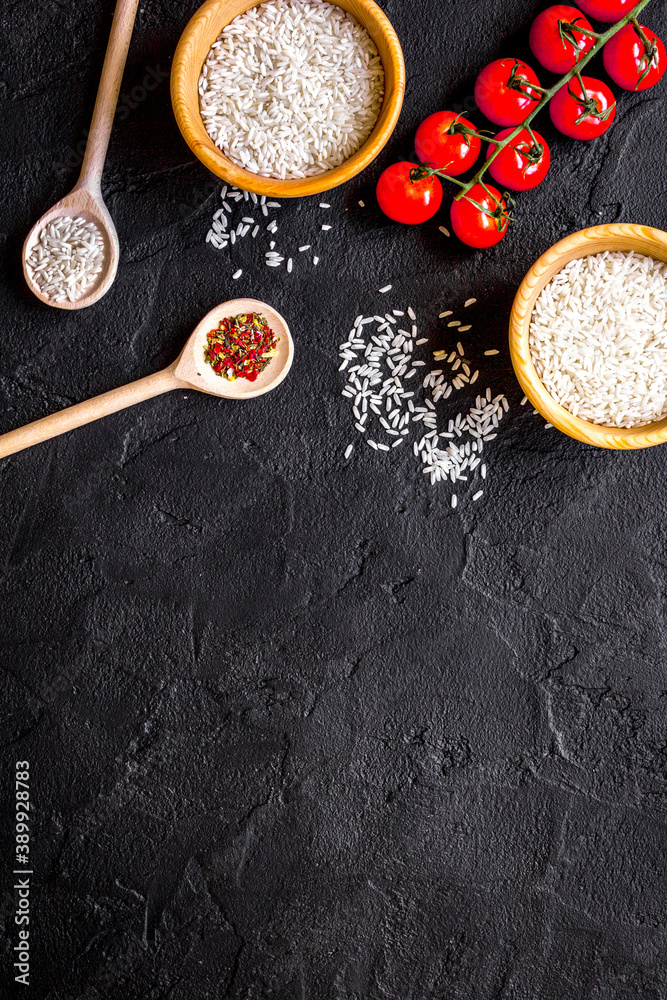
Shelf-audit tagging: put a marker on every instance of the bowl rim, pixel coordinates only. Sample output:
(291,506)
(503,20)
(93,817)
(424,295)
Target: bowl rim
(595,239)
(195,134)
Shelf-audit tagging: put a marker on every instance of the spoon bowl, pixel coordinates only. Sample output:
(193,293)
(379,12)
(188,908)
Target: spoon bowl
(189,371)
(191,368)
(86,204)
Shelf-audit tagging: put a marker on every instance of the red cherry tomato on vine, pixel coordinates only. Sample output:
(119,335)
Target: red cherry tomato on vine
(521,165)
(635,59)
(404,200)
(505,91)
(444,141)
(483,224)
(556,39)
(583,116)
(607,10)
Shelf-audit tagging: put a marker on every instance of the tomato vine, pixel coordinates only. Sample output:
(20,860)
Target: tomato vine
(502,214)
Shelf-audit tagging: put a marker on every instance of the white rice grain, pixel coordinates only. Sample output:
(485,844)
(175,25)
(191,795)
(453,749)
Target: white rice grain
(291,88)
(67,258)
(598,338)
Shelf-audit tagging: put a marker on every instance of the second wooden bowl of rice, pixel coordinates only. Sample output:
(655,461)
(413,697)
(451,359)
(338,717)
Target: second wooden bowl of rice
(616,239)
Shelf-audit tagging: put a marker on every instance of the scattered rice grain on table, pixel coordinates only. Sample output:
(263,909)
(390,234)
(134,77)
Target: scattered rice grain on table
(384,400)
(226,232)
(291,88)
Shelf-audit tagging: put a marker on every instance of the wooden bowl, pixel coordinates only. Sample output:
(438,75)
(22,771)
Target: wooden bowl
(615,236)
(193,47)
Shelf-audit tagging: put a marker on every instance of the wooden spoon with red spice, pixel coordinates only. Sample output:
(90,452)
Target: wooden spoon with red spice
(189,371)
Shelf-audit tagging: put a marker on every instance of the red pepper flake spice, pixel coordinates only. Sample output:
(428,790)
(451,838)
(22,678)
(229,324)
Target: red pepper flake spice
(241,347)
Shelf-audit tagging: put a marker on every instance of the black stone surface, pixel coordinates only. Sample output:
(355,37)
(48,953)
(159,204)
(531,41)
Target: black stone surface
(296,729)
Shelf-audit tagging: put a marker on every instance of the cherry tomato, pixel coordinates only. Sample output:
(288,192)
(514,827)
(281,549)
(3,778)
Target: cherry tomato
(444,141)
(556,39)
(607,10)
(505,91)
(635,59)
(483,224)
(583,116)
(521,165)
(404,200)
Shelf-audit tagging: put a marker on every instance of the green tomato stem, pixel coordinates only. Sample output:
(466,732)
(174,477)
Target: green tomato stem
(650,56)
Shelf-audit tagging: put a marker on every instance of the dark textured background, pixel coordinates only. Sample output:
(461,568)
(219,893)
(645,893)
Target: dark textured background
(296,729)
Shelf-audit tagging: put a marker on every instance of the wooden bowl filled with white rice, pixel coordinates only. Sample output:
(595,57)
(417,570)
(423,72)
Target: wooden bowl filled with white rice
(287,97)
(588,336)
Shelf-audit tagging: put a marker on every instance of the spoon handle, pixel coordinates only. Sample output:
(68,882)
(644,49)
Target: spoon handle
(107,94)
(89,410)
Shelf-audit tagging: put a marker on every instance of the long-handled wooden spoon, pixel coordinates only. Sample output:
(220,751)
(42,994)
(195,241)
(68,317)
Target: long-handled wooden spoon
(189,371)
(85,198)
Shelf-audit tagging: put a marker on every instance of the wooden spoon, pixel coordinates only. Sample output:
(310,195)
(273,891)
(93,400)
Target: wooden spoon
(189,371)
(85,199)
